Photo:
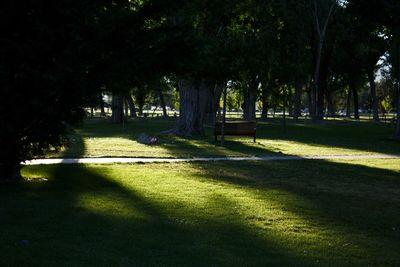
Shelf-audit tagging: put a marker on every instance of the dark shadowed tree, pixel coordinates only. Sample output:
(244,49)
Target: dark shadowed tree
(49,70)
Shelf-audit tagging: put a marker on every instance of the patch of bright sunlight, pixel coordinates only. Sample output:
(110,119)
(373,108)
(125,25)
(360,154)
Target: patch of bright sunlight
(109,204)
(194,196)
(301,149)
(383,164)
(121,147)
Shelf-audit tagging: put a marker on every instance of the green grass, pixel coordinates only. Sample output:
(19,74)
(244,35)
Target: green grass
(97,138)
(283,213)
(299,213)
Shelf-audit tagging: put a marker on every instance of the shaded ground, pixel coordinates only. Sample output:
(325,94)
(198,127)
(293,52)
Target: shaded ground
(303,213)
(275,213)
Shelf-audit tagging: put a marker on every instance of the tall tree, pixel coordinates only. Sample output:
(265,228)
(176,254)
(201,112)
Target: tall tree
(46,56)
(323,12)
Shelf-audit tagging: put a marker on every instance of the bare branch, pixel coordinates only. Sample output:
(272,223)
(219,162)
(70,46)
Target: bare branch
(316,17)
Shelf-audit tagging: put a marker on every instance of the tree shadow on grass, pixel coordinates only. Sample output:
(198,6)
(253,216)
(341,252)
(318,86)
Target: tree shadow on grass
(360,137)
(359,204)
(85,215)
(82,216)
(364,137)
(176,146)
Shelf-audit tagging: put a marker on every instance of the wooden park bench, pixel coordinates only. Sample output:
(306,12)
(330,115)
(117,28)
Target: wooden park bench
(241,128)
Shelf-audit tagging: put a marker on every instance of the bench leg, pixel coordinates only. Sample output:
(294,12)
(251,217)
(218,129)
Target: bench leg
(254,138)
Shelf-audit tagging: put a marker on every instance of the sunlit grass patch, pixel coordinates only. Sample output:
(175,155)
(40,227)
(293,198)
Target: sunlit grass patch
(102,139)
(248,213)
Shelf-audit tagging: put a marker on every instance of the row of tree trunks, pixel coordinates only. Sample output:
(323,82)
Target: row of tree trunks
(199,103)
(120,111)
(130,105)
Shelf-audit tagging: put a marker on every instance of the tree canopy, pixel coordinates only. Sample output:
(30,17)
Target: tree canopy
(58,56)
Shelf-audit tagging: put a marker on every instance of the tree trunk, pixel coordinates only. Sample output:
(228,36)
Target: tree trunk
(297,100)
(140,112)
(289,101)
(162,102)
(189,123)
(330,103)
(375,112)
(355,99)
(265,92)
(10,171)
(219,87)
(101,102)
(10,168)
(207,102)
(251,97)
(284,108)
(223,117)
(323,88)
(316,89)
(131,105)
(117,109)
(348,104)
(126,106)
(297,86)
(140,99)
(397,134)
(321,29)
(199,102)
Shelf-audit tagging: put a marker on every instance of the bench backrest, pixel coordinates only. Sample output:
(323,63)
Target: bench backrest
(236,128)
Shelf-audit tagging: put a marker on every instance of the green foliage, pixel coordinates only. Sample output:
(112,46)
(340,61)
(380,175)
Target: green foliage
(51,51)
(386,104)
(47,56)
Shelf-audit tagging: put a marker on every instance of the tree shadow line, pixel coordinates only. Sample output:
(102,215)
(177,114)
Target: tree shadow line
(82,216)
(356,201)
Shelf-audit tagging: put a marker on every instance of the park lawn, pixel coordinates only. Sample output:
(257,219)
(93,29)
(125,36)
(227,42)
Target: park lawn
(283,213)
(99,138)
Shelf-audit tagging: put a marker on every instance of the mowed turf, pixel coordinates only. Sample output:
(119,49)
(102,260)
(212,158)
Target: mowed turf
(99,138)
(292,213)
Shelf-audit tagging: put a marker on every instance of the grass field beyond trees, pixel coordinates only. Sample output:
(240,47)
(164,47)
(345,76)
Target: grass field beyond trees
(283,213)
(97,138)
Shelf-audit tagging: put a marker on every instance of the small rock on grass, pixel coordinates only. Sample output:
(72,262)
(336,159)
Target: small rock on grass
(147,139)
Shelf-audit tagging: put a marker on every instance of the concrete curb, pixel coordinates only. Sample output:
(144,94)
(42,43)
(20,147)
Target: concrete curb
(155,160)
